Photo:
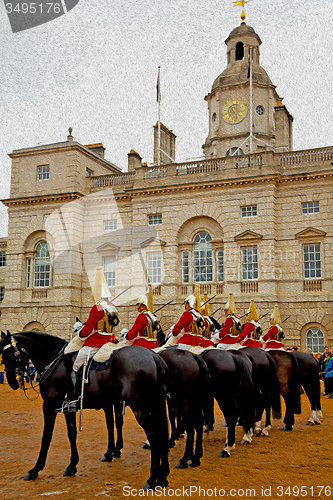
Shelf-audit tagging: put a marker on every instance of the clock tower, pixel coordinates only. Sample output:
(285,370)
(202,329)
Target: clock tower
(246,115)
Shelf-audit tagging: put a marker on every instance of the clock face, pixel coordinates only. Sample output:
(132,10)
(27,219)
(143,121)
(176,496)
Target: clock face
(234,111)
(260,110)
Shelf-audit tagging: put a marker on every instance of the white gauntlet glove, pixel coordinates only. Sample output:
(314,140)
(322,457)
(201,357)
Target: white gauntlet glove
(216,337)
(123,334)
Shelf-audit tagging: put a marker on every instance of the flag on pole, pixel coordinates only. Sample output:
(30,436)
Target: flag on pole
(249,65)
(158,93)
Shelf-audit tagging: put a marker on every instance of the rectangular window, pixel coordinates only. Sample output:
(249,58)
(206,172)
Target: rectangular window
(110,225)
(155,219)
(249,263)
(43,172)
(109,269)
(311,261)
(310,207)
(2,292)
(28,272)
(249,211)
(219,264)
(89,172)
(2,259)
(42,273)
(154,267)
(185,266)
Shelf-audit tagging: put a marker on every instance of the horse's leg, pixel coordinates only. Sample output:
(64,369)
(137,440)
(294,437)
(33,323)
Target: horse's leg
(289,419)
(198,452)
(188,453)
(230,418)
(267,405)
(108,455)
(118,411)
(49,420)
(172,418)
(72,434)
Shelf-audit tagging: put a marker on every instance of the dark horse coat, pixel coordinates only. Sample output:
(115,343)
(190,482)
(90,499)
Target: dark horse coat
(136,376)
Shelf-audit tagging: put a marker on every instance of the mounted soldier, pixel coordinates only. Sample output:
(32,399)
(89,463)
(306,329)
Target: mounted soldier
(143,331)
(275,332)
(227,335)
(96,332)
(191,324)
(251,329)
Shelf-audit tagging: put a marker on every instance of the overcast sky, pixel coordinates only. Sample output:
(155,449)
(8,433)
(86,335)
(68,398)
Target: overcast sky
(95,68)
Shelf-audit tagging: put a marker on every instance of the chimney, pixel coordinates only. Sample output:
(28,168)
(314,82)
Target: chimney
(168,144)
(98,149)
(134,160)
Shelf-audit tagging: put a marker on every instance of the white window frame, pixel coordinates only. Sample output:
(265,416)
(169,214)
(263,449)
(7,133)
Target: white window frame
(109,263)
(249,211)
(43,172)
(110,225)
(41,275)
(312,249)
(310,207)
(200,254)
(2,258)
(313,334)
(154,267)
(249,267)
(154,219)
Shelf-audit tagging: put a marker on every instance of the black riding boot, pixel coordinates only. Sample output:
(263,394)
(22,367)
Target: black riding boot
(72,402)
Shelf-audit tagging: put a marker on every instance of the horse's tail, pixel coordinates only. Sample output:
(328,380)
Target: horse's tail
(206,390)
(274,387)
(294,386)
(245,397)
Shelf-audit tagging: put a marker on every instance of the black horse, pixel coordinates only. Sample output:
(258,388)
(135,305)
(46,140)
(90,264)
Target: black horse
(288,375)
(136,376)
(309,379)
(266,387)
(233,391)
(189,388)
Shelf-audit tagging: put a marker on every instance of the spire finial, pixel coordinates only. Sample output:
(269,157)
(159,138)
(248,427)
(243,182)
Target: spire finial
(241,3)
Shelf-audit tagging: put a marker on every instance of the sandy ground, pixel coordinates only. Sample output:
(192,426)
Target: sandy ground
(264,469)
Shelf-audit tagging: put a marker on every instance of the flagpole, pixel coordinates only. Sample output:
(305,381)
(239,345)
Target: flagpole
(251,101)
(159,117)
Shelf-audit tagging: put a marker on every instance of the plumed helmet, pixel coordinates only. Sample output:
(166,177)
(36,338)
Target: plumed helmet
(100,288)
(191,300)
(205,306)
(253,315)
(275,316)
(142,300)
(109,308)
(230,305)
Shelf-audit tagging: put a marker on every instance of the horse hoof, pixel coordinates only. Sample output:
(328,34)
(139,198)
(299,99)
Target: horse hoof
(116,454)
(181,465)
(224,454)
(30,476)
(194,463)
(171,444)
(288,428)
(211,427)
(318,422)
(146,446)
(245,442)
(105,459)
(147,487)
(70,473)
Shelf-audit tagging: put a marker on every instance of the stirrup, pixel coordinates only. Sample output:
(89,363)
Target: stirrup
(69,406)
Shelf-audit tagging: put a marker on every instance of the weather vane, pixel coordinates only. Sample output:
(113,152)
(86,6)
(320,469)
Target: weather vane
(241,3)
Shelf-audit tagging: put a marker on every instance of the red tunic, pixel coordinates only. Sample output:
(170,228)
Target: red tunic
(97,339)
(224,335)
(188,338)
(247,331)
(138,328)
(270,338)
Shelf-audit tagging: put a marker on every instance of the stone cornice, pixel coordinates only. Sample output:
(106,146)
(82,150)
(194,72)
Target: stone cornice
(43,199)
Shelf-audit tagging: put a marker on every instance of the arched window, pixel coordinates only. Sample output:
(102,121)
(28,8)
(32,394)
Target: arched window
(234,152)
(239,51)
(315,340)
(42,265)
(202,258)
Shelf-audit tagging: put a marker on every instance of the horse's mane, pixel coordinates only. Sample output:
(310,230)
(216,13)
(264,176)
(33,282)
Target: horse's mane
(45,342)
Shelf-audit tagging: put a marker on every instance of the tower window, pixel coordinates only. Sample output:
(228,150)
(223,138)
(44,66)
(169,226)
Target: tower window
(239,51)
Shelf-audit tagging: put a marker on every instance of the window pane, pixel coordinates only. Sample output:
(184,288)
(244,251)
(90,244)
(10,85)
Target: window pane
(2,259)
(42,265)
(43,172)
(249,260)
(219,264)
(154,267)
(110,225)
(250,211)
(312,261)
(202,258)
(315,340)
(154,219)
(109,269)
(185,267)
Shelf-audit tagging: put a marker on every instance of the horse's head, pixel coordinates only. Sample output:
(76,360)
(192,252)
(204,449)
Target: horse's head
(14,359)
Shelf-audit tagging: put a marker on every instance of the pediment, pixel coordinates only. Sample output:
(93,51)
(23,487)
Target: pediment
(152,241)
(108,247)
(310,232)
(248,236)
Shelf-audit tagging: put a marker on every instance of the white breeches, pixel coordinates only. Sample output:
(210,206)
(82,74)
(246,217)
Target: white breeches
(84,354)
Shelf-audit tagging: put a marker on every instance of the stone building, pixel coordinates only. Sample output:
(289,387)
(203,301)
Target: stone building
(252,218)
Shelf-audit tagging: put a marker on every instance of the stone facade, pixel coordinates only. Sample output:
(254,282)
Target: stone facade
(272,206)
